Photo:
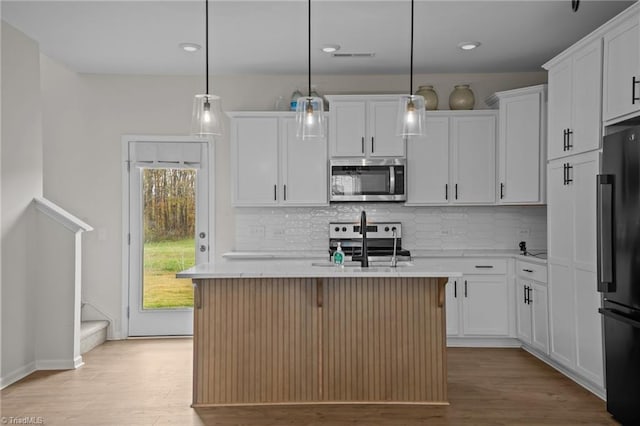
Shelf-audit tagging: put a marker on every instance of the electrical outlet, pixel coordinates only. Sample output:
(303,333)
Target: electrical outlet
(256,231)
(523,233)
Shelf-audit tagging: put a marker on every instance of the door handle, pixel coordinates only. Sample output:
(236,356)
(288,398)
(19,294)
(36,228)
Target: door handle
(484,266)
(501,190)
(372,150)
(362,143)
(527,270)
(524,294)
(275,192)
(569,144)
(446,191)
(634,98)
(530,300)
(465,288)
(285,192)
(564,139)
(569,178)
(456,191)
(455,289)
(605,232)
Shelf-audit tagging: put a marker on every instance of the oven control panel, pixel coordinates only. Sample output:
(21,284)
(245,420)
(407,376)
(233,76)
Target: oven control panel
(350,230)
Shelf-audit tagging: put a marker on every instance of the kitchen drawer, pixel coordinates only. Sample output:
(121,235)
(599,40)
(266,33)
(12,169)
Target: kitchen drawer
(482,266)
(532,271)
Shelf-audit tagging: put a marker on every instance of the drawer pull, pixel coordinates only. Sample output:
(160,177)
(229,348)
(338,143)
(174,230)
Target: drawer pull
(484,266)
(528,270)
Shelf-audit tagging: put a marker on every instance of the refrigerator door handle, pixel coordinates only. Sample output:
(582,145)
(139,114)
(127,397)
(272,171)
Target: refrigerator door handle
(617,315)
(605,233)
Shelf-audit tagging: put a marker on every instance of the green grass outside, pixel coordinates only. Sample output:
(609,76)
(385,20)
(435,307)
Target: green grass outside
(162,290)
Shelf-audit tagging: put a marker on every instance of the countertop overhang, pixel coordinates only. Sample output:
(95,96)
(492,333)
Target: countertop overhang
(305,269)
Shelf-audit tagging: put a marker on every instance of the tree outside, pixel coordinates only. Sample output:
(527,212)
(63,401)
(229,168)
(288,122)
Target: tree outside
(169,213)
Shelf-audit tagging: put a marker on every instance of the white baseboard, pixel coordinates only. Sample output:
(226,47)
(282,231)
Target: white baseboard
(17,374)
(59,364)
(598,391)
(483,342)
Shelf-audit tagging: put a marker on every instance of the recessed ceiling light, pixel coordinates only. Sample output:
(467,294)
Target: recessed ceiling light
(330,48)
(468,45)
(190,47)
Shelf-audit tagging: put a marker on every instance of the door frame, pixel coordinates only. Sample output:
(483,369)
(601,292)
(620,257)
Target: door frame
(123,328)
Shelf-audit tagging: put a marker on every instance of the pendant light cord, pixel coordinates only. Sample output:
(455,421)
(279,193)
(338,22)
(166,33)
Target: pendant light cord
(411,71)
(309,46)
(206,43)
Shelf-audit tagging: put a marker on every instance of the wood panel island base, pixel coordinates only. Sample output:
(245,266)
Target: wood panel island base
(319,340)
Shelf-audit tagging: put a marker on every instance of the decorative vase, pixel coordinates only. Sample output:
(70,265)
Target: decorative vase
(461,97)
(430,97)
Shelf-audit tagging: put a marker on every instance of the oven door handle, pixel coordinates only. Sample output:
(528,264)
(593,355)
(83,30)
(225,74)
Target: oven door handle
(392,180)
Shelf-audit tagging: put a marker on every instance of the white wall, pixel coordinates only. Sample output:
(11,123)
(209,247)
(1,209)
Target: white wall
(21,181)
(86,115)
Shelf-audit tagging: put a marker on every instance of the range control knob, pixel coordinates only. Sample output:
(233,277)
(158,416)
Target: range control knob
(394,229)
(386,229)
(337,229)
(344,229)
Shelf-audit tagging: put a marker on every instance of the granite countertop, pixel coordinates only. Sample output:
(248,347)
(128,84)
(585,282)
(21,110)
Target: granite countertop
(311,269)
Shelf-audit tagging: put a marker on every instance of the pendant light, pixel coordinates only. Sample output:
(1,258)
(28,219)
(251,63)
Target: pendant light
(310,109)
(412,117)
(207,112)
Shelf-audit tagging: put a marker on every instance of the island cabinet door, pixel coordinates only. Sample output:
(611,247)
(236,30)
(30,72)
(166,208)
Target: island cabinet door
(256,341)
(383,340)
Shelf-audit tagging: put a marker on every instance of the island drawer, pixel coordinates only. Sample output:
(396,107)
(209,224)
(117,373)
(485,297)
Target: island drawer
(482,266)
(532,271)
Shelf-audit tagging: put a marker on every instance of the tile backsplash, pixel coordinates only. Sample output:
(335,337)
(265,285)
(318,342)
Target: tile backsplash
(424,228)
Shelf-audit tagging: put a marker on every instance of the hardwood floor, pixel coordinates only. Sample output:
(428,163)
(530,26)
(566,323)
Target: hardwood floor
(148,382)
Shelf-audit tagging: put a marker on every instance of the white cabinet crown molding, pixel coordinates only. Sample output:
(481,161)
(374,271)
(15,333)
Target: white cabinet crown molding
(595,34)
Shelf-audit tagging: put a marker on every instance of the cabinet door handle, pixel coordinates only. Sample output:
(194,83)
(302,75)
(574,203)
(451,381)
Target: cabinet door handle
(446,191)
(455,289)
(372,150)
(362,143)
(564,139)
(530,294)
(634,98)
(484,266)
(528,270)
(564,167)
(569,178)
(569,144)
(456,188)
(524,294)
(465,288)
(275,192)
(501,190)
(285,192)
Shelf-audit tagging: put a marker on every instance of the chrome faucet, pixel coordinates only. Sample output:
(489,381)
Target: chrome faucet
(394,258)
(364,259)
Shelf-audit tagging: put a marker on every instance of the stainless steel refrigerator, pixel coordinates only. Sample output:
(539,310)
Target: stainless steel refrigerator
(618,189)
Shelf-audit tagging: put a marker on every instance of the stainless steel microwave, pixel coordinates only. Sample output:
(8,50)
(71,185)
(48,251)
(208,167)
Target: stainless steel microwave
(368,180)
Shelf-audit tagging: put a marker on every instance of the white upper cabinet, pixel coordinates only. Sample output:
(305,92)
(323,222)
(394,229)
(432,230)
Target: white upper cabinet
(428,164)
(455,162)
(271,166)
(521,144)
(254,147)
(621,88)
(575,101)
(364,126)
(473,151)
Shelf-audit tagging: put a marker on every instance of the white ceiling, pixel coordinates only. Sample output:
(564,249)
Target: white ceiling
(263,36)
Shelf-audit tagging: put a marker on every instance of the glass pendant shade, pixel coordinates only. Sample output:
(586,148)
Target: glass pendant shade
(310,118)
(207,116)
(412,117)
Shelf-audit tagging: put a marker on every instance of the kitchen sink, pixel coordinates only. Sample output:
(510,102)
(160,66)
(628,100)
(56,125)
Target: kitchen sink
(373,265)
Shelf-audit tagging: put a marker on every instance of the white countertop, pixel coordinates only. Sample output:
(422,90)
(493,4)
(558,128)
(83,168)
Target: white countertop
(415,254)
(269,268)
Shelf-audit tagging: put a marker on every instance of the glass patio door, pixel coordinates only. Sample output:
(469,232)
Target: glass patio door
(169,232)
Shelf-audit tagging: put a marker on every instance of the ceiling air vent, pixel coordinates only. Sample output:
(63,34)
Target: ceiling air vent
(353,55)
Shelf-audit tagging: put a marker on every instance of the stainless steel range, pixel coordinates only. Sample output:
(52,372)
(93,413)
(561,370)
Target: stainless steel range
(382,237)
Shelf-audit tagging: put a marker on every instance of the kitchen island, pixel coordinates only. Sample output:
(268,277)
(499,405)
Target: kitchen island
(288,332)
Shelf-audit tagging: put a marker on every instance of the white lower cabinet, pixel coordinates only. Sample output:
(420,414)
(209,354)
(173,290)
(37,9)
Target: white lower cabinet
(532,305)
(478,302)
